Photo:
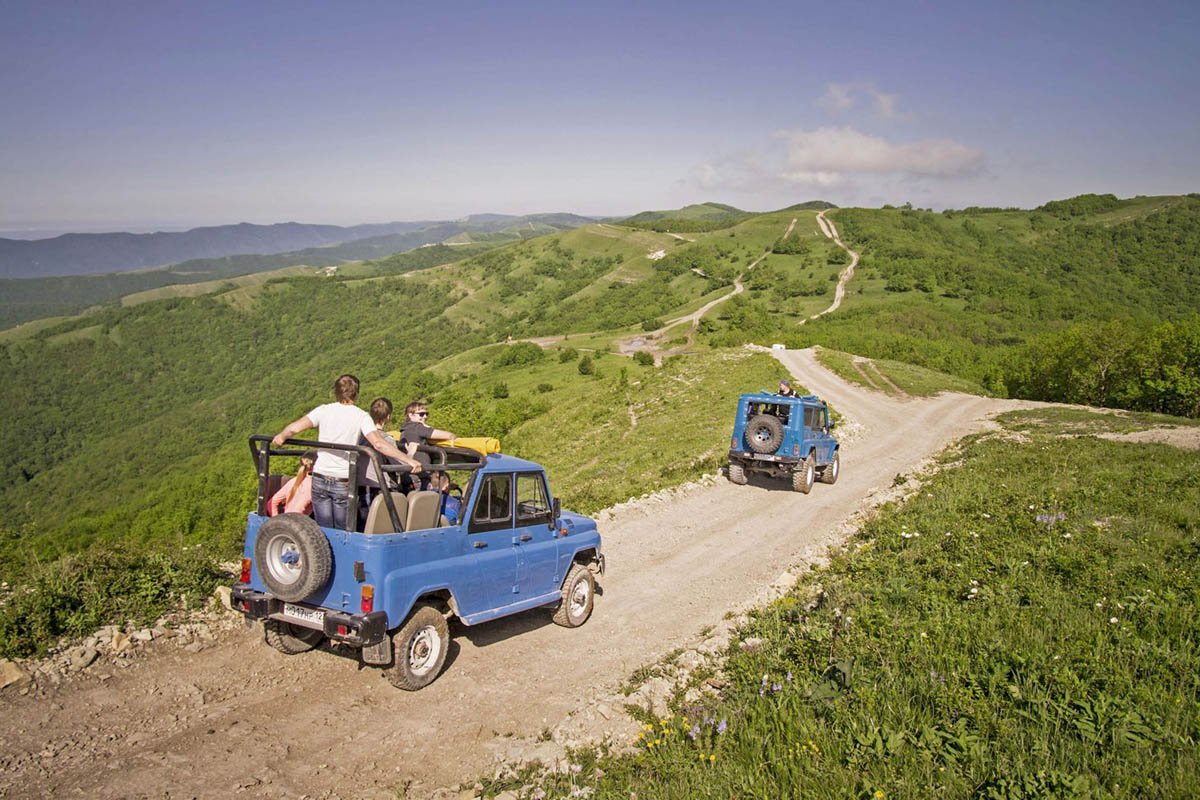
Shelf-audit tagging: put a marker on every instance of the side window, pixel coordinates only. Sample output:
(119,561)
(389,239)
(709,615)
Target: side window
(812,418)
(532,503)
(493,509)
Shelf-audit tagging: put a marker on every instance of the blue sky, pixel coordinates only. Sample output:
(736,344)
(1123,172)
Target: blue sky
(155,114)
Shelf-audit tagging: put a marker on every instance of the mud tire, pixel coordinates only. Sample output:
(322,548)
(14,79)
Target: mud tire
(289,639)
(831,471)
(419,650)
(737,474)
(578,597)
(804,476)
(764,433)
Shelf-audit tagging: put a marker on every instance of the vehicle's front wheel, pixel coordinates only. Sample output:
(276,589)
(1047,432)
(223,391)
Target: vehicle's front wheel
(419,650)
(804,476)
(291,639)
(578,596)
(737,474)
(832,469)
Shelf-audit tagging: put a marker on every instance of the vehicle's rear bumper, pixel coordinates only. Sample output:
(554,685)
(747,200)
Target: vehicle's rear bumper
(359,630)
(762,462)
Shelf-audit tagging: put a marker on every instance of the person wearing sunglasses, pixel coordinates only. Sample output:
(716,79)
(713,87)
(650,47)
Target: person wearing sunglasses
(416,431)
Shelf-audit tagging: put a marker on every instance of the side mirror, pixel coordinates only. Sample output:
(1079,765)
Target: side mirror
(557,512)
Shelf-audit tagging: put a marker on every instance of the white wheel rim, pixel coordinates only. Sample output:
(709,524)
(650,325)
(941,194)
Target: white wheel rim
(423,650)
(284,560)
(580,593)
(837,465)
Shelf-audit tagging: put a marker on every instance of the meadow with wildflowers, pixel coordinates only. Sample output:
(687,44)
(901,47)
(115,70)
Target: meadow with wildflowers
(1026,626)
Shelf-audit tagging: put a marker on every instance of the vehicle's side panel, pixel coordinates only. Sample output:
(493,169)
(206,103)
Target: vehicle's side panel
(535,539)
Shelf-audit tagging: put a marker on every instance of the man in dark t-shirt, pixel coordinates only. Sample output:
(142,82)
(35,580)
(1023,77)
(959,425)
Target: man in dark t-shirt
(415,432)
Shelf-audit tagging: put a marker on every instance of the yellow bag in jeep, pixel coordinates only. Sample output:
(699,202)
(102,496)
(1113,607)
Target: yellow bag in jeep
(480,444)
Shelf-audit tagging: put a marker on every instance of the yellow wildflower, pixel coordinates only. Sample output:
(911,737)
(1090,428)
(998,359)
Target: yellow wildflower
(712,757)
(879,795)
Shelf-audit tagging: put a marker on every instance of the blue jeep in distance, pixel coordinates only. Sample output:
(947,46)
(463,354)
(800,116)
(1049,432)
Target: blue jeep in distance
(784,437)
(390,589)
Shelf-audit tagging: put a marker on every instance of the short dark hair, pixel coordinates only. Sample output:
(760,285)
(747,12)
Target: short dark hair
(346,388)
(413,406)
(381,409)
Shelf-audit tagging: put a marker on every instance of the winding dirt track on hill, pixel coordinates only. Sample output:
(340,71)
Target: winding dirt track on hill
(828,228)
(240,717)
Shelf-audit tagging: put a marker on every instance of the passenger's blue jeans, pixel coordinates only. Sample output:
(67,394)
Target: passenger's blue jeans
(330,499)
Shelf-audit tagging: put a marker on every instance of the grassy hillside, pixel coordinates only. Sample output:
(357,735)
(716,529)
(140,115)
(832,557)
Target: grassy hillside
(1081,301)
(1026,626)
(693,218)
(138,416)
(124,435)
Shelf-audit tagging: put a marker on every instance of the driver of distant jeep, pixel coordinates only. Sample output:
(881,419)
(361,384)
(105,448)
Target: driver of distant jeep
(786,390)
(339,423)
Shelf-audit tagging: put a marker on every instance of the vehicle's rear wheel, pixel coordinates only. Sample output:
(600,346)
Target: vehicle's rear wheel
(737,474)
(293,556)
(804,476)
(578,596)
(764,433)
(832,469)
(419,649)
(291,639)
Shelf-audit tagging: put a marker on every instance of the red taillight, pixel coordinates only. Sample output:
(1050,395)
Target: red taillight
(368,598)
(342,630)
(245,570)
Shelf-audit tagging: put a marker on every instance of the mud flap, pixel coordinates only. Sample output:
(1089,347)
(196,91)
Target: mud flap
(379,655)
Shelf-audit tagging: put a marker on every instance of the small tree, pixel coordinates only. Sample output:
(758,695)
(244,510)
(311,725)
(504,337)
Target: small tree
(500,391)
(567,354)
(643,358)
(586,367)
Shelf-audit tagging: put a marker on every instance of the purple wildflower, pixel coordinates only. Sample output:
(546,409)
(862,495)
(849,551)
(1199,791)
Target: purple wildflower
(776,687)
(722,727)
(694,732)
(789,676)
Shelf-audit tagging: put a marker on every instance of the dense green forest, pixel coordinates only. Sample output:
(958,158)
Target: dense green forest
(124,449)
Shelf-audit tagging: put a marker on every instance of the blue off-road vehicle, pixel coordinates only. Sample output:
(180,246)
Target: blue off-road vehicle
(389,589)
(784,437)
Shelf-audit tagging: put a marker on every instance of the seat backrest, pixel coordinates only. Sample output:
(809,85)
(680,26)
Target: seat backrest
(378,519)
(423,510)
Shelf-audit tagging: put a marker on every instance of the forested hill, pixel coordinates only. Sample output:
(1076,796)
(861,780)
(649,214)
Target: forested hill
(25,299)
(91,253)
(129,426)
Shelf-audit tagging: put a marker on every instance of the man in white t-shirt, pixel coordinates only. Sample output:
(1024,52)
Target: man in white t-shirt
(341,422)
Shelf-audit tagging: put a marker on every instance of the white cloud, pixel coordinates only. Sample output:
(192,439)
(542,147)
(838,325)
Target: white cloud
(834,158)
(837,97)
(841,97)
(848,151)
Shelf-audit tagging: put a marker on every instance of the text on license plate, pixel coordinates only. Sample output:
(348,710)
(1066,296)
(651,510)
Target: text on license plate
(306,614)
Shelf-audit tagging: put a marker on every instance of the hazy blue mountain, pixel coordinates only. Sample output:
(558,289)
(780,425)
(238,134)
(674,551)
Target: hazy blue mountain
(91,253)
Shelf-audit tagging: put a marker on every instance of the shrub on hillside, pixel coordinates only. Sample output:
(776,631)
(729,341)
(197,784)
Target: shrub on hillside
(586,367)
(567,354)
(520,354)
(643,358)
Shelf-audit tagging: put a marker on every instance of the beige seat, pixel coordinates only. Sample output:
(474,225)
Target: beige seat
(423,510)
(378,519)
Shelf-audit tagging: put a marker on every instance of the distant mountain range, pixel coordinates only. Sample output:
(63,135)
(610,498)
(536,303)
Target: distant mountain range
(95,253)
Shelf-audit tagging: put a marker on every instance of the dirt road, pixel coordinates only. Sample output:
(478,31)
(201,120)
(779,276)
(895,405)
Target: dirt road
(840,292)
(240,717)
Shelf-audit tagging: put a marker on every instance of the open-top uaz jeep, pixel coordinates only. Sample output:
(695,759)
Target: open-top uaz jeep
(784,437)
(390,589)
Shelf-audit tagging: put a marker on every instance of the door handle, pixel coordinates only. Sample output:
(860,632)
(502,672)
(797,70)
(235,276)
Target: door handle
(525,537)
(480,545)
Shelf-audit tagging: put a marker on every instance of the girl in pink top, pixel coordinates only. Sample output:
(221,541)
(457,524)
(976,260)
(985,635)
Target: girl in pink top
(296,495)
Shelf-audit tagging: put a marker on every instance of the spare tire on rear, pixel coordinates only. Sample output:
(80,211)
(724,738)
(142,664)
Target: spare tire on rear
(293,556)
(764,433)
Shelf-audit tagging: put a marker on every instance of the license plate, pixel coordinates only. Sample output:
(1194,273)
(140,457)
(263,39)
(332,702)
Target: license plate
(305,614)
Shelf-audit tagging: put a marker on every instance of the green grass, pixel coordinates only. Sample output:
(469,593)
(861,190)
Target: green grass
(910,379)
(1027,626)
(1081,421)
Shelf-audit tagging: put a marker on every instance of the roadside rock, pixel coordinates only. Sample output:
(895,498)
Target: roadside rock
(224,595)
(120,642)
(12,675)
(82,658)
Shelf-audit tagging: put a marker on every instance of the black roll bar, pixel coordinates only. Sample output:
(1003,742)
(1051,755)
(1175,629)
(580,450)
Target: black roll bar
(448,458)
